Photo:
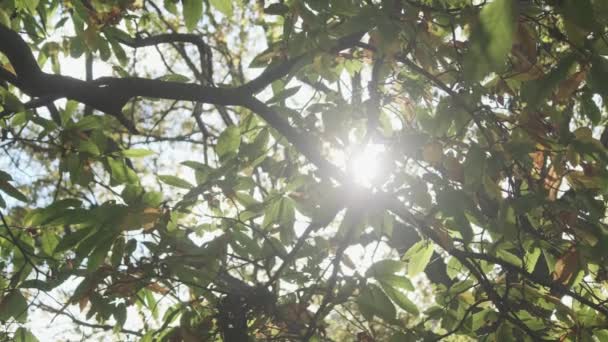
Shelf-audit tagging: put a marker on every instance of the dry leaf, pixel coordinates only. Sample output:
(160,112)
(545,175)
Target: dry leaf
(566,266)
(569,86)
(82,303)
(155,287)
(552,183)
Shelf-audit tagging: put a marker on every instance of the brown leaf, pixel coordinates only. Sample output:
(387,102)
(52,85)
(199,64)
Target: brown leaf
(525,44)
(150,217)
(525,53)
(538,160)
(82,303)
(569,86)
(535,124)
(124,287)
(155,287)
(552,183)
(443,237)
(566,266)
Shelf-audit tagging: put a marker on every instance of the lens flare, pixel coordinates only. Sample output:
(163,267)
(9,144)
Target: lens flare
(365,165)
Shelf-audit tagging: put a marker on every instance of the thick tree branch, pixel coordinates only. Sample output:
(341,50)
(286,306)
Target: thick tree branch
(111,94)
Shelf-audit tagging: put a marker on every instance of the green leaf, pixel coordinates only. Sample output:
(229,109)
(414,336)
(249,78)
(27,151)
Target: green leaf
(136,153)
(229,141)
(259,145)
(530,259)
(396,281)
(57,209)
(453,268)
(285,94)
(121,172)
(88,146)
(598,76)
(175,181)
(48,241)
(70,240)
(508,256)
(10,190)
(400,299)
(193,12)
(504,333)
(86,246)
(99,254)
(589,108)
(119,52)
(29,5)
(374,301)
(88,123)
(24,335)
(491,39)
(118,251)
(385,267)
(149,336)
(418,256)
(174,78)
(281,212)
(224,6)
(120,314)
(13,305)
(202,172)
(11,103)
(5,176)
(5,19)
(579,13)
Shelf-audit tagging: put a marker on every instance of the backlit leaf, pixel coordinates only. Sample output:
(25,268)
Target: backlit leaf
(418,256)
(491,39)
(374,301)
(193,12)
(224,6)
(175,181)
(229,141)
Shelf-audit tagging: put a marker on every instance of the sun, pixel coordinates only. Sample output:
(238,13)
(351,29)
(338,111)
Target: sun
(365,164)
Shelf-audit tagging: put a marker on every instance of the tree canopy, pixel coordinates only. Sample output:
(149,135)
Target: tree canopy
(303,170)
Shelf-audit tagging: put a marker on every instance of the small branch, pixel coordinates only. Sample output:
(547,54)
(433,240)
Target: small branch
(530,276)
(86,324)
(301,240)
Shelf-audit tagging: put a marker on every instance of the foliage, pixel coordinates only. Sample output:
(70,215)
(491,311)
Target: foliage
(185,185)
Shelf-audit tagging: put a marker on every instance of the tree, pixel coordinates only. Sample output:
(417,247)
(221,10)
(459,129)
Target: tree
(196,178)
